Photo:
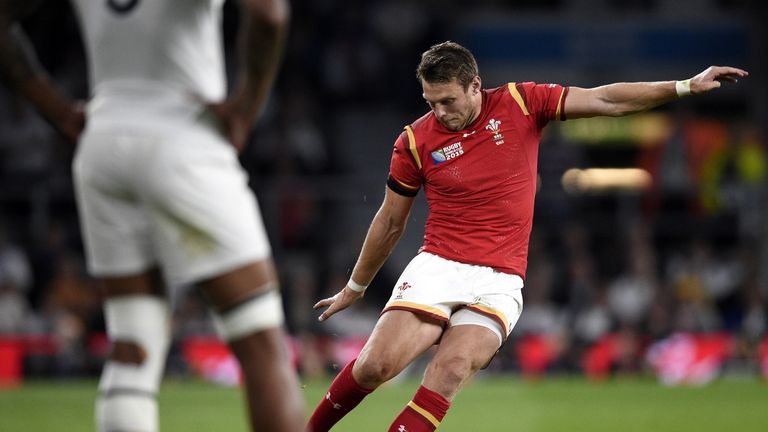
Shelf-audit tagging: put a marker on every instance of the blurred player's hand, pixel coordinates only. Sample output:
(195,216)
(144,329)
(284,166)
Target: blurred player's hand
(61,112)
(235,123)
(72,122)
(337,303)
(713,76)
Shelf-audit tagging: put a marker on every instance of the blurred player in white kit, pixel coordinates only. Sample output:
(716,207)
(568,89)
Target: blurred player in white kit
(163,200)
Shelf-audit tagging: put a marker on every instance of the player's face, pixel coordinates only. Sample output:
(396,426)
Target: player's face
(453,106)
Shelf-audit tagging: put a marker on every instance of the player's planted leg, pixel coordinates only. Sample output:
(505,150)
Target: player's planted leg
(463,350)
(385,355)
(138,324)
(248,314)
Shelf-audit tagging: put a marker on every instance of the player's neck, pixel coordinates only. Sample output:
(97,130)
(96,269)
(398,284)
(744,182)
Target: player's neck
(477,109)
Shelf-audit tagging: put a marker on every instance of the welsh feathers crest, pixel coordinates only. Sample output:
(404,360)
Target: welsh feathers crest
(493,125)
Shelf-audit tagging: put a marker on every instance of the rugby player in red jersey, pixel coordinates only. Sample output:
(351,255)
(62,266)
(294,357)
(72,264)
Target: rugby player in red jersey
(475,155)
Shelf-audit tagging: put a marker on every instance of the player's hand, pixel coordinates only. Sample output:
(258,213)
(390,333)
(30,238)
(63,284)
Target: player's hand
(234,123)
(61,112)
(713,76)
(72,123)
(337,303)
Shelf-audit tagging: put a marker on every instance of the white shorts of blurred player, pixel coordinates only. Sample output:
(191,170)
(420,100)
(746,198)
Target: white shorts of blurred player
(165,193)
(459,294)
(158,186)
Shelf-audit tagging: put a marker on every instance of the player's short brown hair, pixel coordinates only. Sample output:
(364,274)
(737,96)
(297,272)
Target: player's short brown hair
(445,61)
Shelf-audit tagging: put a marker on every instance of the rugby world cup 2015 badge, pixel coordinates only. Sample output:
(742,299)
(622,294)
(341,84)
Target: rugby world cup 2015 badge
(447,153)
(493,126)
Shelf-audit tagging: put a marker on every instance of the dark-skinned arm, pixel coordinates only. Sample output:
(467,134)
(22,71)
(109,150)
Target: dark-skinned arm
(21,72)
(261,40)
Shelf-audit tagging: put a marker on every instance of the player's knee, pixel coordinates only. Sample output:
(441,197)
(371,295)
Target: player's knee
(139,328)
(258,313)
(128,353)
(372,371)
(454,370)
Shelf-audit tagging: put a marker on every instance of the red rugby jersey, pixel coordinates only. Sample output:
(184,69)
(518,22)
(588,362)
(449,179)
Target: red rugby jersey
(480,182)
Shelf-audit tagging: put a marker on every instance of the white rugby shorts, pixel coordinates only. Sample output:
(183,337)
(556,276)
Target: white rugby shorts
(171,194)
(459,294)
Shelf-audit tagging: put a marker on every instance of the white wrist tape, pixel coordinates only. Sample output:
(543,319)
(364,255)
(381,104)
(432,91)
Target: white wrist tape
(683,88)
(356,287)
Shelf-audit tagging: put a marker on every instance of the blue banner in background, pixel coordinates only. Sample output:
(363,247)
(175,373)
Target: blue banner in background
(573,44)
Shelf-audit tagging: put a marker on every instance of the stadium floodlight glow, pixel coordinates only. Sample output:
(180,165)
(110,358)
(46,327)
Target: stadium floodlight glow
(595,180)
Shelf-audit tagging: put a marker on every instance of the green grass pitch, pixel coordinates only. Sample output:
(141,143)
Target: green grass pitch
(490,404)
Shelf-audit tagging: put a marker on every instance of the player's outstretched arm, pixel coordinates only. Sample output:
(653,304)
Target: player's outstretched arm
(261,38)
(620,99)
(20,71)
(384,233)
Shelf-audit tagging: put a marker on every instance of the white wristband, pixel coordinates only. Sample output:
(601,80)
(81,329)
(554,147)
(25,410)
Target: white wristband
(356,287)
(683,88)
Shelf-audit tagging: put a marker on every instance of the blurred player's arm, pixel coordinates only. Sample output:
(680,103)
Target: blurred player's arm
(261,39)
(21,72)
(626,98)
(385,231)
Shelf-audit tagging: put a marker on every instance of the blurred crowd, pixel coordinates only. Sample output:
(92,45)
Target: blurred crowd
(628,268)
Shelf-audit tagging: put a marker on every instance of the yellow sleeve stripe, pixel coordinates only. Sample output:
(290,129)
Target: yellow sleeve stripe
(559,105)
(407,186)
(424,413)
(412,145)
(517,97)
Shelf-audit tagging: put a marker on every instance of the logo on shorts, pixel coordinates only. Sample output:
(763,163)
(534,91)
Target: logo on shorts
(493,126)
(401,289)
(402,429)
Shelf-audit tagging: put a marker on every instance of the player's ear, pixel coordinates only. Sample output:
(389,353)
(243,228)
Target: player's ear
(475,85)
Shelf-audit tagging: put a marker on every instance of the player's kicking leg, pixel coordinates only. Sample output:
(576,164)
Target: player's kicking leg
(463,350)
(399,337)
(249,316)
